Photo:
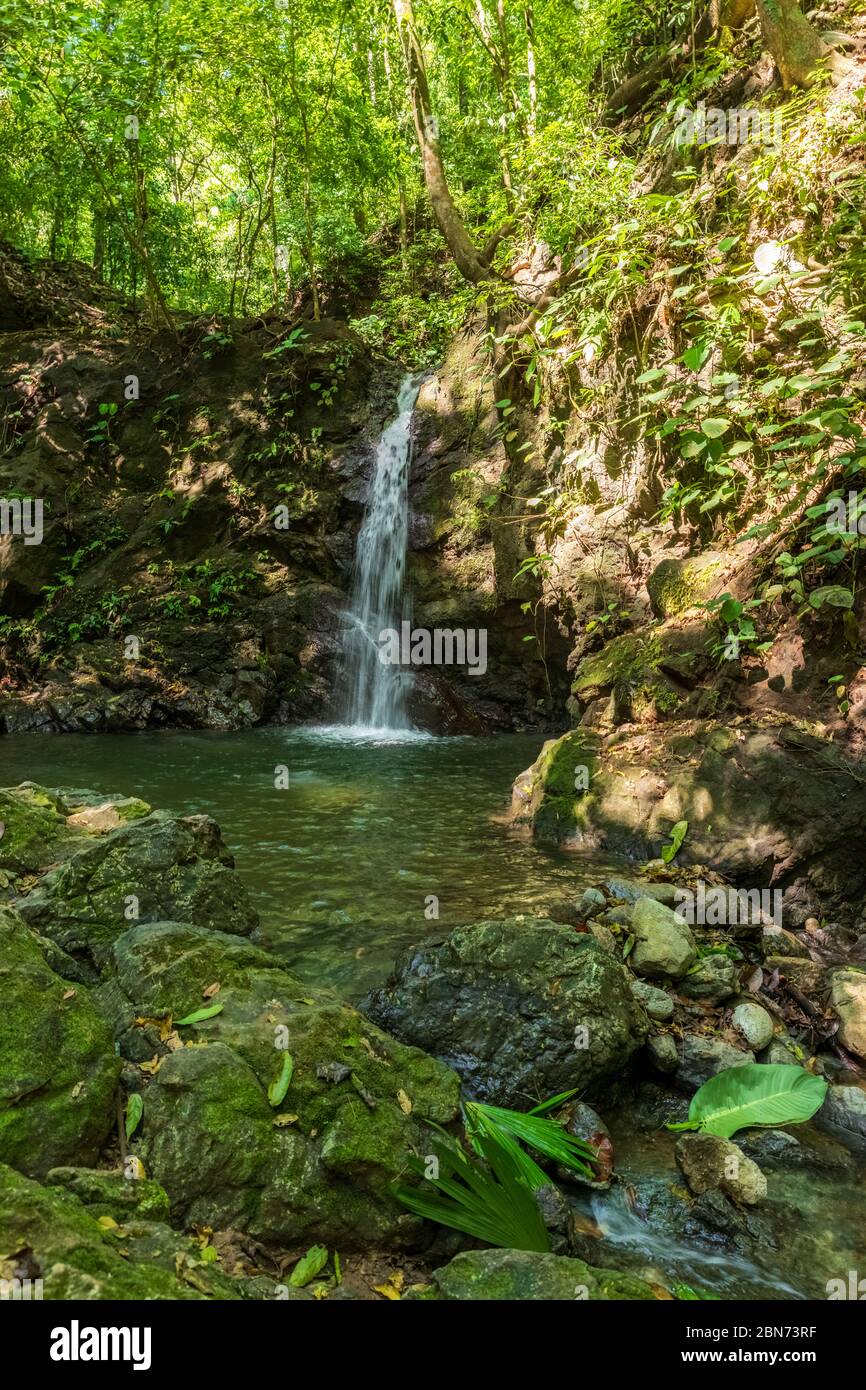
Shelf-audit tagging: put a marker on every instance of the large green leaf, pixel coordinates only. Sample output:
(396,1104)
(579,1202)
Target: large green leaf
(545,1136)
(754,1094)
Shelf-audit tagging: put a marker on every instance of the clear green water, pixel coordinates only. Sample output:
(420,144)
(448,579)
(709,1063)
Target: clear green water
(341,864)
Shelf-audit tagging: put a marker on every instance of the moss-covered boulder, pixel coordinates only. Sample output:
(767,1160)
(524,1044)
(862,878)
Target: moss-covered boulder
(320,1161)
(676,585)
(155,867)
(522,1009)
(58,1066)
(764,804)
(35,830)
(112,1193)
(526,1276)
(642,677)
(46,1233)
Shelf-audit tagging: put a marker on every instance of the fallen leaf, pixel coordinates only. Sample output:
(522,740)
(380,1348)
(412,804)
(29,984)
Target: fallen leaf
(309,1266)
(404,1102)
(70,994)
(151,1067)
(211,991)
(199,1015)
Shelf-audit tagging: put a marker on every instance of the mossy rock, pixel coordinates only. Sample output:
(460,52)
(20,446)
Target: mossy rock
(156,867)
(47,1233)
(58,1066)
(112,1193)
(527,1276)
(36,829)
(319,1164)
(677,585)
(547,796)
(648,673)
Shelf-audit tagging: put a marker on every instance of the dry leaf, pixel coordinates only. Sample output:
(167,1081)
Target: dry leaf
(70,994)
(211,990)
(77,1089)
(151,1067)
(404,1102)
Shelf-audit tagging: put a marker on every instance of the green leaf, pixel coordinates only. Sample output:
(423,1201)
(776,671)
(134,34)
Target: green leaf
(678,834)
(309,1266)
(835,594)
(280,1084)
(756,1094)
(714,429)
(545,1136)
(200,1015)
(134,1112)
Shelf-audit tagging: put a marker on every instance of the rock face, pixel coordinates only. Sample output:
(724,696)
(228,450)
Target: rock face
(664,945)
(523,1275)
(320,1163)
(521,1009)
(764,805)
(58,1067)
(848,997)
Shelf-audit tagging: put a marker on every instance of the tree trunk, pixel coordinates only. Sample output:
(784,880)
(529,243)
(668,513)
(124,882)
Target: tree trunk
(466,256)
(796,47)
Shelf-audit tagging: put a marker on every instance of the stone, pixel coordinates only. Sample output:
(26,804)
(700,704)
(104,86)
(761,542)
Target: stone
(713,978)
(665,945)
(591,901)
(519,1008)
(630,889)
(710,1163)
(155,868)
(663,1054)
(47,1233)
(776,941)
(807,975)
(657,1003)
(112,1193)
(676,585)
(58,1067)
(527,1276)
(754,1023)
(702,1056)
(320,1166)
(785,1052)
(844,1111)
(848,998)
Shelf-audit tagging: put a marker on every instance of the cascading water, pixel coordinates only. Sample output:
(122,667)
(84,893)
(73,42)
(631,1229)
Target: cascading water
(376,691)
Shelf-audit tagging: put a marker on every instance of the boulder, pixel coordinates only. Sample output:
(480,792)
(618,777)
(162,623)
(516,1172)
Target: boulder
(657,1003)
(526,1276)
(844,1112)
(153,868)
(113,1193)
(662,1052)
(46,1233)
(713,978)
(677,585)
(702,1056)
(319,1164)
(764,805)
(848,997)
(58,1067)
(665,945)
(522,1009)
(710,1163)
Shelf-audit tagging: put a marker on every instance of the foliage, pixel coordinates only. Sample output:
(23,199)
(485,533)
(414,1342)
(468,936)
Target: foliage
(754,1094)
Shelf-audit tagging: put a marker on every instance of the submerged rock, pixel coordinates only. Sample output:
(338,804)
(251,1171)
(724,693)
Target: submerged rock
(521,1009)
(58,1067)
(526,1276)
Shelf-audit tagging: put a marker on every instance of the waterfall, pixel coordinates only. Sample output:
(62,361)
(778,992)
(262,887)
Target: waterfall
(377,692)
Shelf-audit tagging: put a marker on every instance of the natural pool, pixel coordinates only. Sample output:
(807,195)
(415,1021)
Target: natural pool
(342,864)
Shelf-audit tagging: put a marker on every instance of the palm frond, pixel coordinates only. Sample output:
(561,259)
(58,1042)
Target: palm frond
(492,1202)
(537,1132)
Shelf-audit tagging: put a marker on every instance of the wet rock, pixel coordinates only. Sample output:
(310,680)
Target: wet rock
(58,1068)
(662,1051)
(665,945)
(582,1122)
(710,1163)
(754,1023)
(702,1056)
(844,1111)
(47,1233)
(714,978)
(558,1219)
(848,997)
(520,1008)
(320,1165)
(155,868)
(657,1002)
(525,1276)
